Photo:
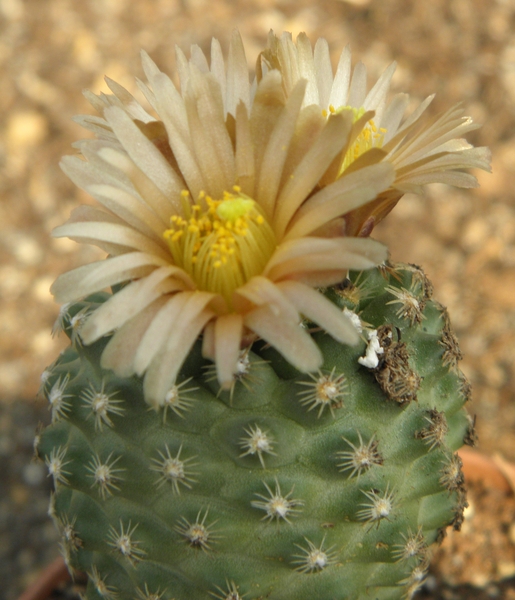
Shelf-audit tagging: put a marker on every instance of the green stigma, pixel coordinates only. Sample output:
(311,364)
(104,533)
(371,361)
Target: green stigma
(233,208)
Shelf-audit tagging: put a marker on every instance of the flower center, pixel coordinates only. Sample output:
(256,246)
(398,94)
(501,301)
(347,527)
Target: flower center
(221,244)
(370,136)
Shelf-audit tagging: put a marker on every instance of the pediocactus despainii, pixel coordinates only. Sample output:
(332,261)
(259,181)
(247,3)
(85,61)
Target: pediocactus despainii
(261,406)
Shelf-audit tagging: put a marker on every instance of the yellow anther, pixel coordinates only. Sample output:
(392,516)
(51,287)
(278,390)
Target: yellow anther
(370,136)
(208,241)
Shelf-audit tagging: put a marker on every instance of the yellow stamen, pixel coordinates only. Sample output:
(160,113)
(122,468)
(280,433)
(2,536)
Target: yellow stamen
(370,136)
(220,243)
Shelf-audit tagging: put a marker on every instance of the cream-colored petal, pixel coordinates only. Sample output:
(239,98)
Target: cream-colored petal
(91,150)
(311,168)
(112,233)
(149,66)
(320,279)
(416,114)
(163,370)
(340,87)
(312,263)
(286,55)
(431,144)
(183,68)
(85,173)
(307,69)
(100,275)
(358,86)
(150,69)
(406,129)
(128,101)
(437,163)
(147,92)
(287,337)
(276,151)
(238,89)
(209,135)
(132,210)
(170,106)
(266,109)
(85,213)
(446,127)
(119,353)
(414,182)
(298,248)
(145,155)
(146,188)
(260,290)
(211,113)
(323,71)
(198,58)
(244,153)
(228,330)
(218,68)
(393,115)
(96,101)
(128,302)
(377,95)
(336,254)
(98,126)
(309,126)
(454,145)
(208,341)
(159,330)
(344,195)
(90,214)
(317,308)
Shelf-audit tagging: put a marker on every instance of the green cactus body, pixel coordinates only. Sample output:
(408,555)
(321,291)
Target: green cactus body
(326,486)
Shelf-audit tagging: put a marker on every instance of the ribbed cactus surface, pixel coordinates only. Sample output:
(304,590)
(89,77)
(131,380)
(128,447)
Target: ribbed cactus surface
(327,486)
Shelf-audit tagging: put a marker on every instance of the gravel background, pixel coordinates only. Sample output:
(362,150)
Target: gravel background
(464,50)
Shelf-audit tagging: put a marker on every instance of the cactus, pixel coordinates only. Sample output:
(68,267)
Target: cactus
(289,432)
(327,485)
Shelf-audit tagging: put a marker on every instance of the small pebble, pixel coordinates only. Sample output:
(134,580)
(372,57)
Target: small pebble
(26,129)
(33,474)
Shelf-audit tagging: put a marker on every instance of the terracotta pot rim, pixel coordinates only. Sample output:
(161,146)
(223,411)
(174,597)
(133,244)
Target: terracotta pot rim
(495,471)
(53,575)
